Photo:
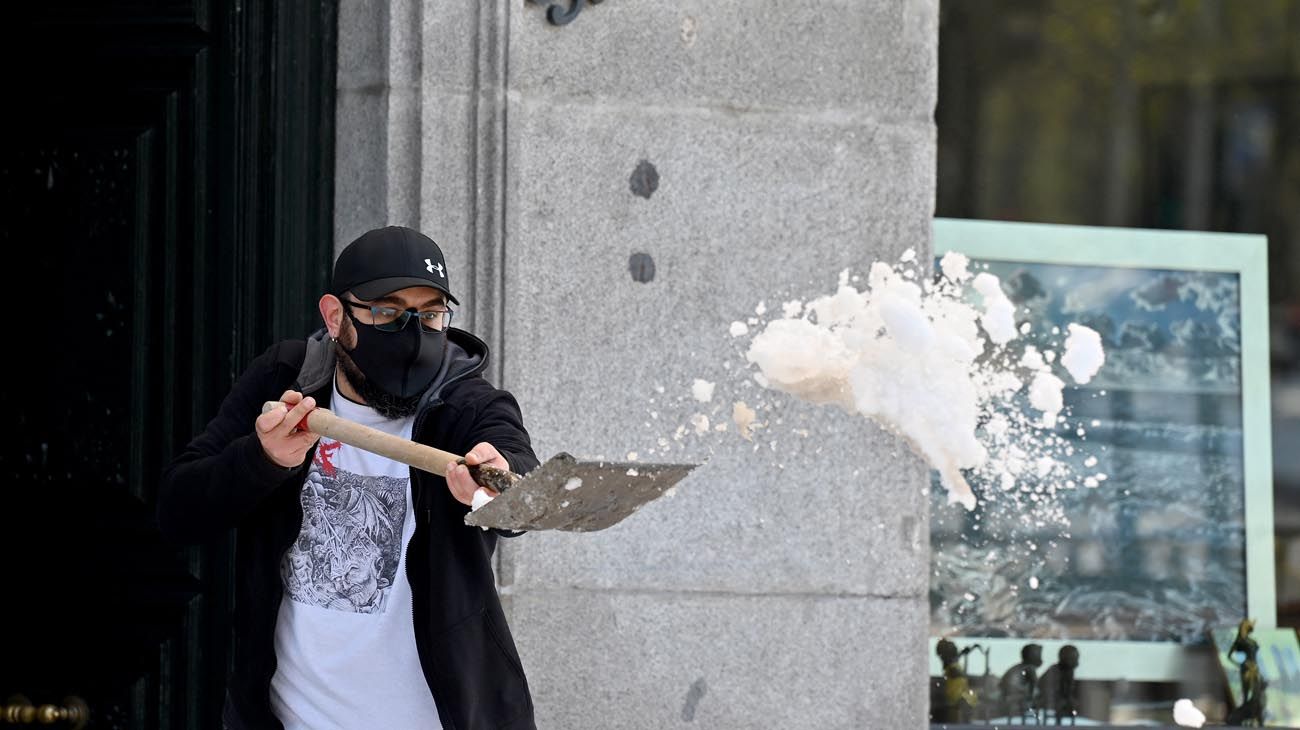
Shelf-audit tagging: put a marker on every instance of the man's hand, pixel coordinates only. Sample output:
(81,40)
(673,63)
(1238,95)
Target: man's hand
(459,481)
(281,442)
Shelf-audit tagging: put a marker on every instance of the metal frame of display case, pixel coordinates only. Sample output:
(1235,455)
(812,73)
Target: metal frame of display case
(1241,254)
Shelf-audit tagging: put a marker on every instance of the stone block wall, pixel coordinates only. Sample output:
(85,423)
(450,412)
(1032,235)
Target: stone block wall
(788,140)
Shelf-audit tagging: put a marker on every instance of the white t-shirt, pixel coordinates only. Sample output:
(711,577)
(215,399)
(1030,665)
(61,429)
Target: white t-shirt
(345,634)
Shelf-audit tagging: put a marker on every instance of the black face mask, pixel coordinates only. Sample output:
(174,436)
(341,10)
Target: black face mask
(402,363)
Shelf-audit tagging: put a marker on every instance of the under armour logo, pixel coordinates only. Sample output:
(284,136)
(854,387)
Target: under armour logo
(432,267)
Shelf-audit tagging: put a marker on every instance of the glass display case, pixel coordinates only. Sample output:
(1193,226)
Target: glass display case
(1166,532)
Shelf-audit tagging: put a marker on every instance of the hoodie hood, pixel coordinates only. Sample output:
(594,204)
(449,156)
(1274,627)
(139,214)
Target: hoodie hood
(466,356)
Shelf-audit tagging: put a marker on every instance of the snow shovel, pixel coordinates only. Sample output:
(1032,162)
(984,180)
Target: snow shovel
(564,493)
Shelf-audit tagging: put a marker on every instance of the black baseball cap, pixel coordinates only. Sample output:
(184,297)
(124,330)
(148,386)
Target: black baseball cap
(387,259)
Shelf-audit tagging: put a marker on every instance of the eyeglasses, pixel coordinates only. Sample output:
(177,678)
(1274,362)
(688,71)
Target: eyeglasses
(392,319)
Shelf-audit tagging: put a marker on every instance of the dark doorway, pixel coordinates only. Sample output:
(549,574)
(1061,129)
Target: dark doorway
(166,175)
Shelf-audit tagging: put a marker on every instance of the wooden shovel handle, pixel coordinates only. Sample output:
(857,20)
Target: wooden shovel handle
(326,423)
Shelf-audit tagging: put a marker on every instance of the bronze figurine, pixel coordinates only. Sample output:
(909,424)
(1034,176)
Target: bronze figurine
(1253,684)
(959,700)
(1020,686)
(1058,688)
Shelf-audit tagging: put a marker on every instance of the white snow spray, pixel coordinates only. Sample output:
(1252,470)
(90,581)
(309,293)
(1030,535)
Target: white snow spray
(926,362)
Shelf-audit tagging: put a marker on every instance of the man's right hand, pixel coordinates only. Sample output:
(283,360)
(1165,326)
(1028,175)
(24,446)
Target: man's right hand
(282,443)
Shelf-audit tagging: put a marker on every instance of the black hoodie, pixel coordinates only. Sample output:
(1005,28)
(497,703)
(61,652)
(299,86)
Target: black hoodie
(222,480)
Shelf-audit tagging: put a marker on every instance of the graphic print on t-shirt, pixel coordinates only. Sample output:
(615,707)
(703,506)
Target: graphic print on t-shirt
(347,553)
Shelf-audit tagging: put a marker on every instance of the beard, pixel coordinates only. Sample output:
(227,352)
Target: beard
(385,404)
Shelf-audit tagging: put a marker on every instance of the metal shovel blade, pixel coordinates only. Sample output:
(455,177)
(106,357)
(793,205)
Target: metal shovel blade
(577,496)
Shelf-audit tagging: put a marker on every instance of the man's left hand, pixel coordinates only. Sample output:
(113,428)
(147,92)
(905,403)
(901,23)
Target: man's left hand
(459,481)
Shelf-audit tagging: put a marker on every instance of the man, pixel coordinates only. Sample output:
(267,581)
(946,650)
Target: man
(362,598)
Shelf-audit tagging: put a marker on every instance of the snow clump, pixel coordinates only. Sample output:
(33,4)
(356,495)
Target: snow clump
(922,361)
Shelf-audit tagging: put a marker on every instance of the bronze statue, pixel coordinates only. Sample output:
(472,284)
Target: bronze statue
(959,700)
(1020,684)
(1059,690)
(1253,699)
